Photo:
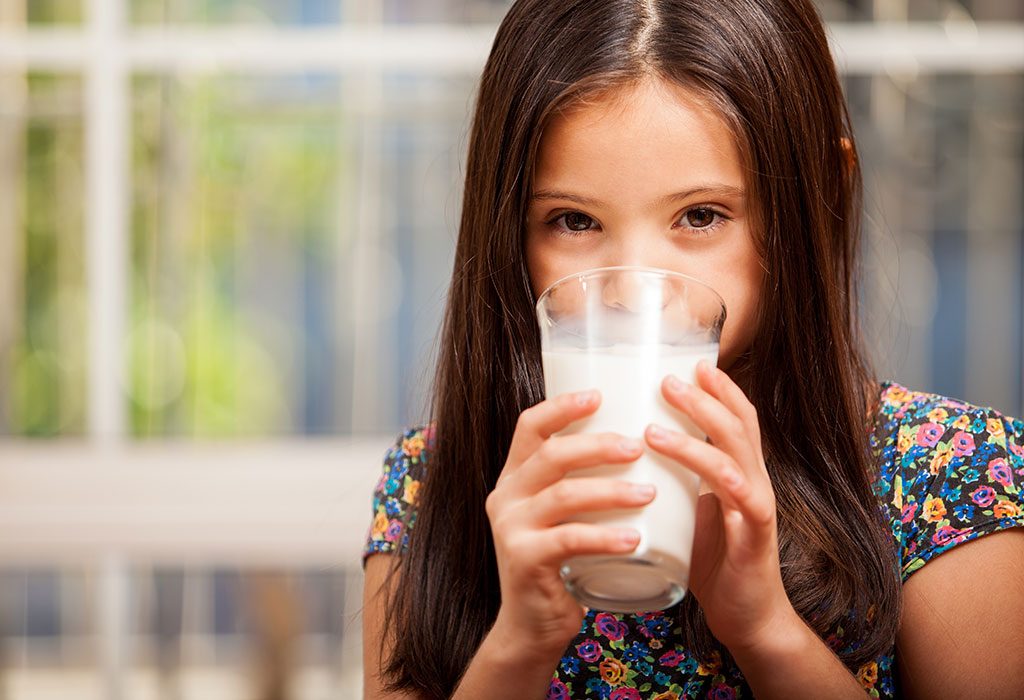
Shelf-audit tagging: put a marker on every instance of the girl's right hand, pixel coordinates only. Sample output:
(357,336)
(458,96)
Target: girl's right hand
(528,510)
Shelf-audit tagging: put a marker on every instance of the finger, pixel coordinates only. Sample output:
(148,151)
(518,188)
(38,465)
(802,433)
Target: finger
(562,454)
(569,497)
(724,428)
(539,422)
(720,385)
(552,546)
(736,490)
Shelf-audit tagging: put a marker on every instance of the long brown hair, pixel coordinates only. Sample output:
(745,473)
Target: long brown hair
(765,65)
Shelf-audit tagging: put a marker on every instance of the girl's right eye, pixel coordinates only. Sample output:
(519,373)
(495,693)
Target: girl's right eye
(573,223)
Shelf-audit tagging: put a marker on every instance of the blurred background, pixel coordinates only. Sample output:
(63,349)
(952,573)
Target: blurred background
(226,229)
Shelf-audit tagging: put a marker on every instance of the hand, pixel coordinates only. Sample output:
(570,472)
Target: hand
(528,510)
(735,572)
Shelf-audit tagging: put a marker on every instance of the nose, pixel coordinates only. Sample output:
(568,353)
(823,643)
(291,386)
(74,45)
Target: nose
(635,293)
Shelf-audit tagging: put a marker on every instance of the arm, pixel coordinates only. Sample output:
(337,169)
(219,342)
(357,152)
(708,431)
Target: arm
(961,635)
(811,669)
(736,573)
(530,513)
(374,597)
(496,661)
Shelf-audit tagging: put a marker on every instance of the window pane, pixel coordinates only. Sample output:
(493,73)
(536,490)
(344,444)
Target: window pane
(42,275)
(943,159)
(304,12)
(920,10)
(46,11)
(225,633)
(291,244)
(282,12)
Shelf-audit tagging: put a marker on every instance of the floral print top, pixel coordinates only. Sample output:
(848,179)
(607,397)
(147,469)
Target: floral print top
(948,472)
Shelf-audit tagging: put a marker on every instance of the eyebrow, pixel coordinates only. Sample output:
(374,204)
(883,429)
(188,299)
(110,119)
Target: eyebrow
(717,188)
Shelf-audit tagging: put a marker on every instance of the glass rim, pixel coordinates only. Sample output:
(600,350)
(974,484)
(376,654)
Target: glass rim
(659,271)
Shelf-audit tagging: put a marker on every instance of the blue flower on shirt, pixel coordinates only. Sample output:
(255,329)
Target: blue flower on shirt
(964,511)
(949,494)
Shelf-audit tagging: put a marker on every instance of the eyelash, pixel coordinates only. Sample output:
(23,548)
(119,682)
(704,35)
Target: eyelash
(701,232)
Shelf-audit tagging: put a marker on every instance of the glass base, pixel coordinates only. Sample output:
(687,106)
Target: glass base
(627,585)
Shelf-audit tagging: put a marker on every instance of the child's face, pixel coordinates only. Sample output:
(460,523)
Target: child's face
(648,175)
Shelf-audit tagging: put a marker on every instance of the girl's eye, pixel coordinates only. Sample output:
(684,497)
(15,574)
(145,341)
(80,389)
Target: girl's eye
(575,221)
(702,220)
(572,224)
(701,217)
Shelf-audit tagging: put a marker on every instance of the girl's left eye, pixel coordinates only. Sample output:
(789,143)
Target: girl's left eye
(702,218)
(572,223)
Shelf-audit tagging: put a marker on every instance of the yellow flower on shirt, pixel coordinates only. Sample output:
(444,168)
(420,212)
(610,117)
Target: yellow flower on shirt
(942,457)
(934,510)
(1005,509)
(868,674)
(994,426)
(380,524)
(412,490)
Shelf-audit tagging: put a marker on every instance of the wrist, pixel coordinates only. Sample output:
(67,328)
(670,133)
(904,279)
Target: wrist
(504,653)
(516,647)
(786,636)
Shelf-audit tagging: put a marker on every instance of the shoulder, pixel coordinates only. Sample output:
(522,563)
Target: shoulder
(397,492)
(949,471)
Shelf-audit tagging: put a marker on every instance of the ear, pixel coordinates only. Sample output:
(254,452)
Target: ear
(849,154)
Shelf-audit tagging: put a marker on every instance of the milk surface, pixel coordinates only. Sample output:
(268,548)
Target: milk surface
(629,378)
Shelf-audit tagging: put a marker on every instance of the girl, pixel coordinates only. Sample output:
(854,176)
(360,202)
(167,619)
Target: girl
(708,137)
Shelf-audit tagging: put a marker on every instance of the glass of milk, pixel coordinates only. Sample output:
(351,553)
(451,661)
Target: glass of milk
(621,330)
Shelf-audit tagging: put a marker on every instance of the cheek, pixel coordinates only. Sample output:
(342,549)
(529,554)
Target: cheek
(533,266)
(546,264)
(740,329)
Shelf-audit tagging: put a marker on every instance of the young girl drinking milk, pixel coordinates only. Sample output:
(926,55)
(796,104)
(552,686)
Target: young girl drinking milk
(711,138)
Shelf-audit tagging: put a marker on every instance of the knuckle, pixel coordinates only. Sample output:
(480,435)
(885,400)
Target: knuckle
(749,411)
(516,549)
(526,420)
(491,505)
(571,540)
(548,451)
(735,425)
(563,492)
(762,513)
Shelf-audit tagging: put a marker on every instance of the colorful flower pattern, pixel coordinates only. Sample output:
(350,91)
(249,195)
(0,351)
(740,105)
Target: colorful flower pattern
(948,472)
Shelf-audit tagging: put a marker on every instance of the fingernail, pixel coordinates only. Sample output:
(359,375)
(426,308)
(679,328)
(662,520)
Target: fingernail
(629,445)
(708,369)
(656,432)
(642,490)
(629,537)
(585,397)
(675,384)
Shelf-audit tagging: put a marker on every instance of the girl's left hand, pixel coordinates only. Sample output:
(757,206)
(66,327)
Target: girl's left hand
(734,571)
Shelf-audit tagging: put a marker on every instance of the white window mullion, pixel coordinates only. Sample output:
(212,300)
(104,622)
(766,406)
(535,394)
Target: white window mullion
(106,237)
(106,245)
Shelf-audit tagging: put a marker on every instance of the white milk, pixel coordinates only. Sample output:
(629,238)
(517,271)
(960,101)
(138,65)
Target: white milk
(629,379)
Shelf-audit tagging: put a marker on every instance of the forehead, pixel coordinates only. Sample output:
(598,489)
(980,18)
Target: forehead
(650,134)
